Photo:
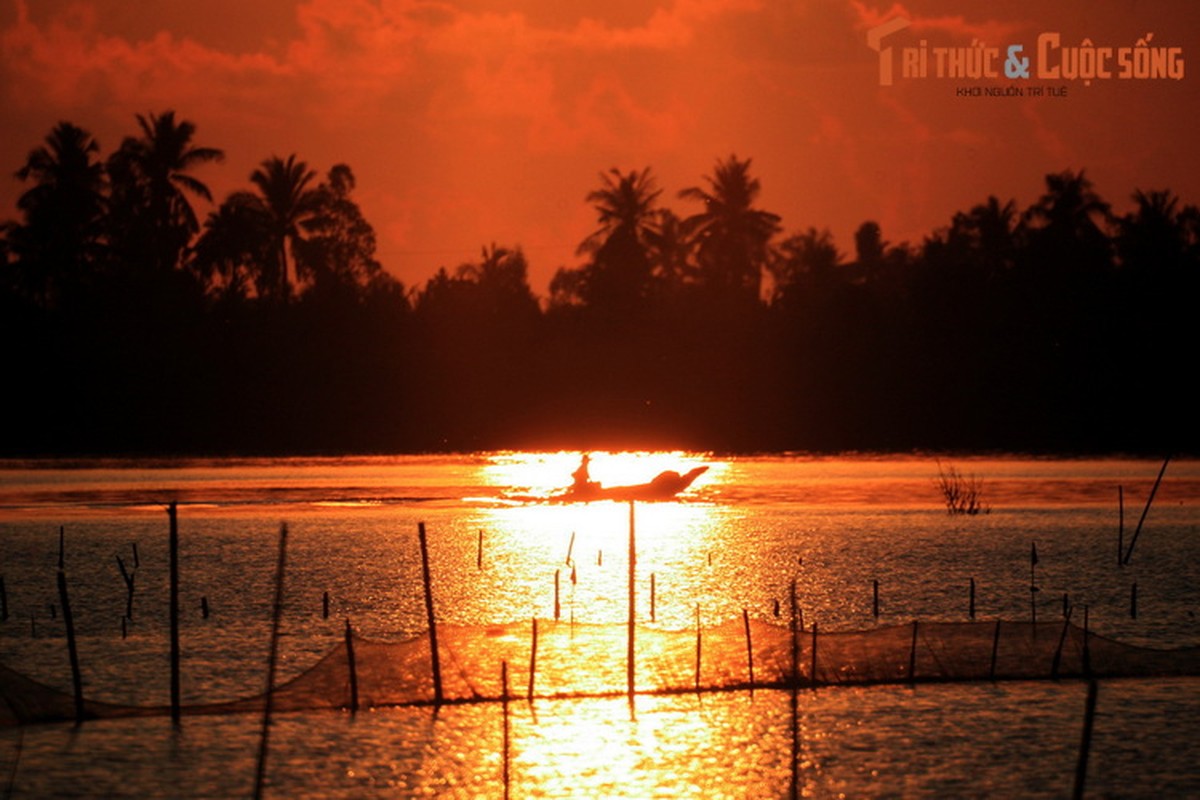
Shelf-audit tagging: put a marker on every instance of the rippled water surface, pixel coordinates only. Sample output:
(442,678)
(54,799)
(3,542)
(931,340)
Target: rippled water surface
(735,541)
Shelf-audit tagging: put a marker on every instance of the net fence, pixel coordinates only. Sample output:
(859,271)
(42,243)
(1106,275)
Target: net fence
(547,659)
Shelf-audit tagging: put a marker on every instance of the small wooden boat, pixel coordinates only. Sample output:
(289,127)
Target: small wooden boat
(665,486)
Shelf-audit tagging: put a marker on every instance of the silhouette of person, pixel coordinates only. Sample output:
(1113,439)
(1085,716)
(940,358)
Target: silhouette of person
(580,476)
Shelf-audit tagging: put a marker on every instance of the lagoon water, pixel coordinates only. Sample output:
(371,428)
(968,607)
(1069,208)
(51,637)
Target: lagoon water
(735,541)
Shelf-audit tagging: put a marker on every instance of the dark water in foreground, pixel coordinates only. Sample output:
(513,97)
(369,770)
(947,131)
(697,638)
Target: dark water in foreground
(736,541)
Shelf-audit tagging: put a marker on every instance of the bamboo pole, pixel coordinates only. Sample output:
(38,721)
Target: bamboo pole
(698,640)
(1062,640)
(795,697)
(629,654)
(272,659)
(1085,745)
(557,601)
(1087,652)
(352,666)
(1120,526)
(653,597)
(1153,491)
(533,658)
(749,648)
(971,602)
(433,642)
(72,650)
(128,577)
(506,756)
(173,546)
(812,677)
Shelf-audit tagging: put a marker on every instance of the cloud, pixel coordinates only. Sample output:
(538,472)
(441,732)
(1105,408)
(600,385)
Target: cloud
(572,85)
(69,63)
(474,121)
(479,124)
(989,30)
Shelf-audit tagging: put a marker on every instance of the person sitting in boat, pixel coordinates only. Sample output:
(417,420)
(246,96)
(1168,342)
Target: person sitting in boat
(582,479)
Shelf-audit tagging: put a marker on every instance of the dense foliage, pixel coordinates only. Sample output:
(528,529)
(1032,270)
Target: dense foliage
(133,327)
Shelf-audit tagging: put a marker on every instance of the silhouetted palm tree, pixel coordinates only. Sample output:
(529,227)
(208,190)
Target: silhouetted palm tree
(1065,227)
(338,251)
(619,272)
(732,236)
(1153,237)
(152,184)
(869,247)
(567,288)
(58,241)
(456,295)
(501,283)
(498,266)
(1070,202)
(994,223)
(986,236)
(234,246)
(625,206)
(1189,221)
(805,261)
(288,201)
(670,251)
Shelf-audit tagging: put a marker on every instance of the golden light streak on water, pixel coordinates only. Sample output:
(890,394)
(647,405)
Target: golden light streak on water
(534,476)
(531,538)
(601,749)
(733,542)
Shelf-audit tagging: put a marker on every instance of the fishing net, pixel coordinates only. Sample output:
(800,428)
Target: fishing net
(559,659)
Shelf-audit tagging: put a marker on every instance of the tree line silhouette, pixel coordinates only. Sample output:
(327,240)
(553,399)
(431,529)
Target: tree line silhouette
(135,327)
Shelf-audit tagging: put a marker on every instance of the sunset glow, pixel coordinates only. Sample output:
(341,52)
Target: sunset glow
(540,476)
(612,398)
(588,543)
(478,121)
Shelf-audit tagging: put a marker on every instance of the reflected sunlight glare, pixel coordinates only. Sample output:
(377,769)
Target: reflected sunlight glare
(540,476)
(531,536)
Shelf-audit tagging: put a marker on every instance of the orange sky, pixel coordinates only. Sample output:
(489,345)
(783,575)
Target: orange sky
(478,121)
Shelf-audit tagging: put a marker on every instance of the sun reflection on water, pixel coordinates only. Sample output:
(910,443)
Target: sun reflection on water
(589,542)
(602,749)
(531,477)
